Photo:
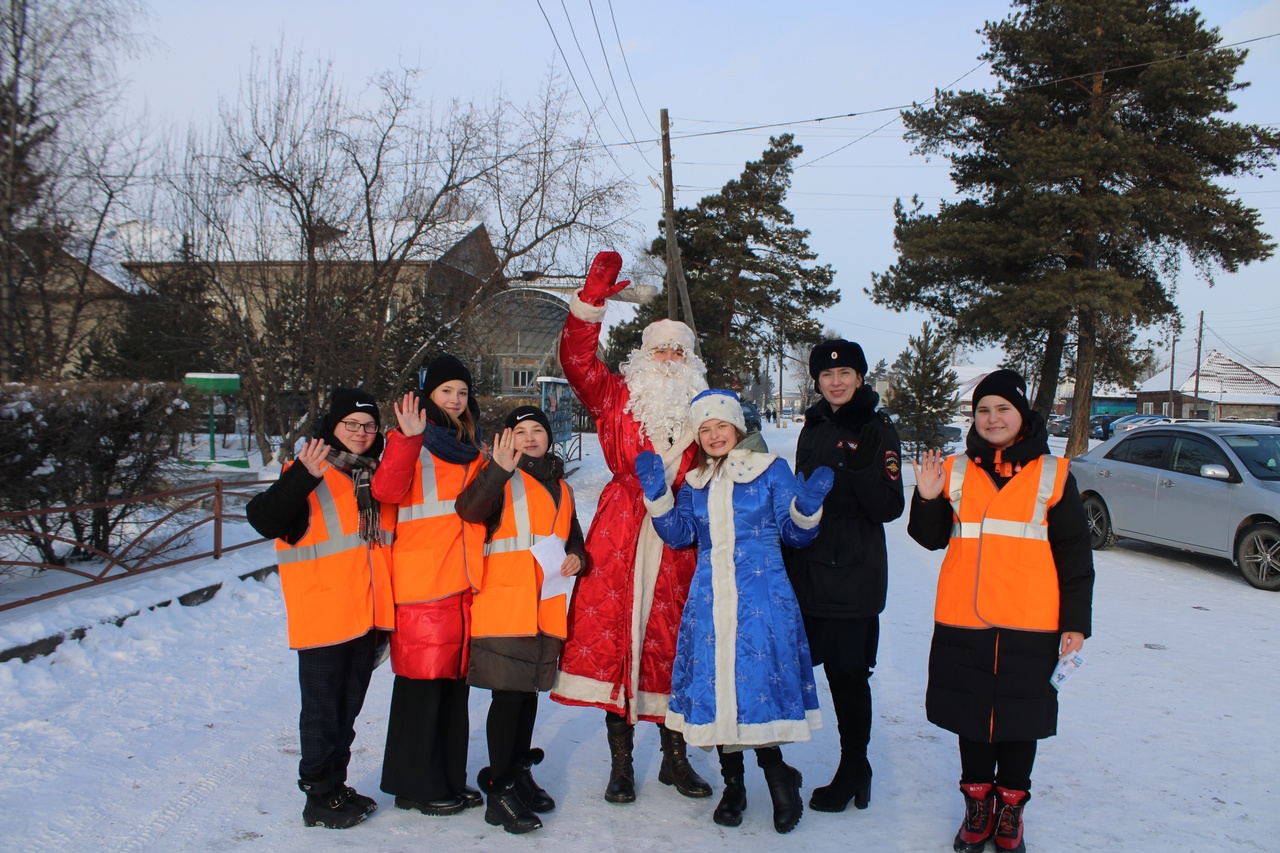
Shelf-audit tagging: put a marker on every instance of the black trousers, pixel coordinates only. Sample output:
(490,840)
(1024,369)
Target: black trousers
(509,729)
(333,681)
(1007,763)
(427,732)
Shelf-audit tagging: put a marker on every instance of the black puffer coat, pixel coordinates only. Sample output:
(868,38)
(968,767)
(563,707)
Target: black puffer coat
(844,574)
(993,684)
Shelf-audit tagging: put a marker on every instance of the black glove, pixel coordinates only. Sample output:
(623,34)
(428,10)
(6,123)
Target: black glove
(869,445)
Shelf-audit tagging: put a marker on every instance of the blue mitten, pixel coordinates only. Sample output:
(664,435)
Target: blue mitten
(809,493)
(650,472)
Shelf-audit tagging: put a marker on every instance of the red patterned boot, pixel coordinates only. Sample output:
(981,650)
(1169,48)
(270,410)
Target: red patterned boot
(979,817)
(1009,820)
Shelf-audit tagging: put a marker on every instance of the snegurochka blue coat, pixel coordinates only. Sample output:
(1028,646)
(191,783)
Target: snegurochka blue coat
(742,675)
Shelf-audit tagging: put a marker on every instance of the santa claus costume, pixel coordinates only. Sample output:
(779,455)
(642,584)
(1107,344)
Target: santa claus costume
(625,612)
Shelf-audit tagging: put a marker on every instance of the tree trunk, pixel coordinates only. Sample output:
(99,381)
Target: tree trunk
(1086,358)
(1050,370)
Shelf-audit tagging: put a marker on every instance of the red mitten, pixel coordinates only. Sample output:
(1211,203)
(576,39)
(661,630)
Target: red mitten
(601,279)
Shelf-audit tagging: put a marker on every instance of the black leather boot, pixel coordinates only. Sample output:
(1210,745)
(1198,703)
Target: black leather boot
(851,782)
(328,806)
(784,787)
(622,775)
(676,769)
(733,802)
(533,795)
(504,807)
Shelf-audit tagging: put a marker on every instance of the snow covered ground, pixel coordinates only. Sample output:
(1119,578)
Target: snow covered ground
(177,731)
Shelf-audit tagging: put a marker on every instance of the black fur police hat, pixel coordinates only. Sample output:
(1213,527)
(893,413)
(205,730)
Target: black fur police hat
(837,353)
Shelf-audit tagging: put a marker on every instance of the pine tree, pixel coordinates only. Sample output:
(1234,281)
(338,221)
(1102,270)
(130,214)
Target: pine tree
(1086,175)
(748,271)
(925,389)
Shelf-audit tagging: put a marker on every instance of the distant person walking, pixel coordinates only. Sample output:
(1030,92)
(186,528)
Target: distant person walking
(1015,595)
(333,544)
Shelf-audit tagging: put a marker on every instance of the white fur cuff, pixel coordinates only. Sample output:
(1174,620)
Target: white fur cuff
(585,312)
(805,522)
(663,505)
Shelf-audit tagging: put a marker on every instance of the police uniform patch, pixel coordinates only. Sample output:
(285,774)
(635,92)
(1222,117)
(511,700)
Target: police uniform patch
(891,465)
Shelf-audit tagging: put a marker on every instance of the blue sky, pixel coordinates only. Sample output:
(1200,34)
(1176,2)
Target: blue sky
(718,67)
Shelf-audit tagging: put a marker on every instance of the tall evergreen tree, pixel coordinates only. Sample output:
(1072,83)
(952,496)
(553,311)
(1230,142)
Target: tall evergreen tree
(1089,176)
(924,396)
(748,269)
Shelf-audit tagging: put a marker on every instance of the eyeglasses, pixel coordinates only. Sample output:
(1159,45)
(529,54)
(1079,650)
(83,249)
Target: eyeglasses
(356,426)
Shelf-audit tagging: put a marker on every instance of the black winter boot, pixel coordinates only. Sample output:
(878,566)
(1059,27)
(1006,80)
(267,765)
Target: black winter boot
(784,787)
(505,808)
(534,796)
(851,782)
(360,801)
(622,775)
(733,802)
(327,805)
(676,769)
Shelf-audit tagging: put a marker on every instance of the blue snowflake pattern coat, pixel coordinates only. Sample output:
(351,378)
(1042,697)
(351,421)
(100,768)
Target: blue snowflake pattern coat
(742,676)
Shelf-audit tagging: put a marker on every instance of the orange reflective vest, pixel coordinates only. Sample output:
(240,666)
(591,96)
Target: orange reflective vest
(508,603)
(336,585)
(436,553)
(999,569)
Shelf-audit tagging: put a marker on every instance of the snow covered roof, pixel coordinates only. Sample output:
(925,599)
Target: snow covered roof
(1221,376)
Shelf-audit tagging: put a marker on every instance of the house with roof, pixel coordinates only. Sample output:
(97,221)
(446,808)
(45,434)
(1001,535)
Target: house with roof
(1219,389)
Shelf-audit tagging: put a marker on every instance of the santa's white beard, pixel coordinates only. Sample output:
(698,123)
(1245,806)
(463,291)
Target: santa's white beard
(660,394)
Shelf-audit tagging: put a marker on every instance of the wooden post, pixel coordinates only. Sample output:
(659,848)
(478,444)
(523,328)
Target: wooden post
(675,271)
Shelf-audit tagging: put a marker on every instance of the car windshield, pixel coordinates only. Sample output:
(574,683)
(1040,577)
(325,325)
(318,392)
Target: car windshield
(1259,453)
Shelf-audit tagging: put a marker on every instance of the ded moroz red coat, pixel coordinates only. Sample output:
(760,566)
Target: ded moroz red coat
(626,607)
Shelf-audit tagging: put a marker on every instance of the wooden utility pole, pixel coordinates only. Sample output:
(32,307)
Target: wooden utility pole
(1173,365)
(675,271)
(1199,341)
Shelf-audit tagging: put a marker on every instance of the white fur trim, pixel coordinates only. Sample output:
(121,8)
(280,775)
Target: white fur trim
(666,333)
(747,735)
(663,505)
(710,405)
(741,466)
(585,311)
(805,522)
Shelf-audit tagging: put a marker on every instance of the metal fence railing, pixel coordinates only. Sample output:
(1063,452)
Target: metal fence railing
(148,550)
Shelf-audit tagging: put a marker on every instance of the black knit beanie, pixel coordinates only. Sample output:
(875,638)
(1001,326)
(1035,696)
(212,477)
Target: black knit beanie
(837,353)
(444,369)
(346,401)
(524,413)
(1008,384)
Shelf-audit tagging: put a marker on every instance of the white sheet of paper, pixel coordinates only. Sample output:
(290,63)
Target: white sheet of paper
(549,553)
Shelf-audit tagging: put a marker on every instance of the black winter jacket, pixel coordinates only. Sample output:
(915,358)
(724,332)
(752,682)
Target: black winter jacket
(844,573)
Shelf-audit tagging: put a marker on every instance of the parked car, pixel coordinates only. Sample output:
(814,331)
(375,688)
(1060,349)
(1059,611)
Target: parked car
(1128,422)
(1058,425)
(945,434)
(1211,488)
(1100,425)
(751,414)
(1165,419)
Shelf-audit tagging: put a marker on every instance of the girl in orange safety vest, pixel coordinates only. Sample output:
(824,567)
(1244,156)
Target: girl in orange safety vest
(1015,594)
(333,544)
(517,626)
(437,562)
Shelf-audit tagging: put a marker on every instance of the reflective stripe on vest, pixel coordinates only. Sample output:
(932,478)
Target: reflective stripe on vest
(431,506)
(999,569)
(1033,529)
(524,538)
(334,544)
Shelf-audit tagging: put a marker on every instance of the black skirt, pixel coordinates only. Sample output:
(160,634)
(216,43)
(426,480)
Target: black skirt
(844,643)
